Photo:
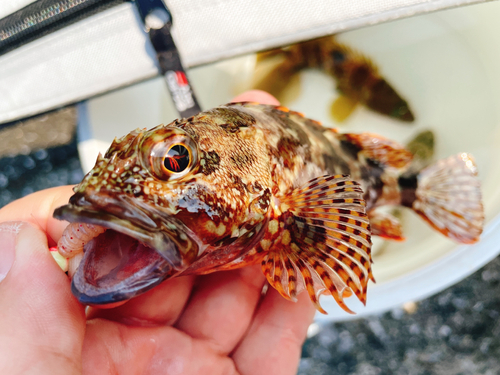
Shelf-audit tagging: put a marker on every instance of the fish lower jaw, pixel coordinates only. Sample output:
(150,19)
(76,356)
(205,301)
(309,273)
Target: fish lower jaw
(115,267)
(111,260)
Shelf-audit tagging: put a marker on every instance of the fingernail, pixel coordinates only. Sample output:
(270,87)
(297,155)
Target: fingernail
(8,235)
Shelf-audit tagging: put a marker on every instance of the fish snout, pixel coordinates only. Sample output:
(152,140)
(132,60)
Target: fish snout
(116,205)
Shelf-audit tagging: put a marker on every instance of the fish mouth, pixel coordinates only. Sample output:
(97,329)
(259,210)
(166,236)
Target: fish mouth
(126,260)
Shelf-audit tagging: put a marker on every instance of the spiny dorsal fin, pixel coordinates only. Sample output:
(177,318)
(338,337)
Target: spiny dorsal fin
(321,241)
(380,149)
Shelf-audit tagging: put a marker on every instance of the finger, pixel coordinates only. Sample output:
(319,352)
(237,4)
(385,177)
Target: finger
(38,208)
(112,348)
(221,307)
(41,323)
(161,305)
(274,341)
(258,96)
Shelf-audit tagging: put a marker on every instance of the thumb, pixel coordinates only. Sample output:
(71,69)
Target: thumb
(41,323)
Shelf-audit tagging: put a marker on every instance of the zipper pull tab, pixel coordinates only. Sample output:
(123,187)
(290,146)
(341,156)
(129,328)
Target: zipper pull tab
(158,21)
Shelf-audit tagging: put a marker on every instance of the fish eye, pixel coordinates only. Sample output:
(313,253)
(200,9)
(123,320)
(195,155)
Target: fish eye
(338,57)
(171,158)
(177,158)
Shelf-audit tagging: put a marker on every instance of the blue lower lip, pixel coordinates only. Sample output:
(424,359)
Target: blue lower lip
(118,296)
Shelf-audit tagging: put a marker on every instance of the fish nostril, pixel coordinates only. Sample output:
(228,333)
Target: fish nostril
(79,199)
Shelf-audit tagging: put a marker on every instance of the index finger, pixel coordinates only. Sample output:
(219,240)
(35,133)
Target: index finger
(258,96)
(37,208)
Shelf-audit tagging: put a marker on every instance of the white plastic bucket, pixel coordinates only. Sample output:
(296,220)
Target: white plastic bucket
(446,64)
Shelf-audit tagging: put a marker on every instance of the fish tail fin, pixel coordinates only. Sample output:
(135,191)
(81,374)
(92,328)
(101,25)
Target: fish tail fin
(447,195)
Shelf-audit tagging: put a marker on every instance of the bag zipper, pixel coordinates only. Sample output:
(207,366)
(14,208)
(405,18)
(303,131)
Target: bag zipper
(46,16)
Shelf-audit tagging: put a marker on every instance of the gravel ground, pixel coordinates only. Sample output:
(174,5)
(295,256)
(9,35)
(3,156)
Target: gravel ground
(21,175)
(454,332)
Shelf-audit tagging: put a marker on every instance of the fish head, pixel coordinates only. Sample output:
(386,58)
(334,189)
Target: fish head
(168,197)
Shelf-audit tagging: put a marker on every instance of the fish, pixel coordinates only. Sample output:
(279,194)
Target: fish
(358,79)
(248,183)
(422,148)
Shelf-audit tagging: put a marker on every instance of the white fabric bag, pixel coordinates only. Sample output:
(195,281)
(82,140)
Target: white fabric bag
(111,49)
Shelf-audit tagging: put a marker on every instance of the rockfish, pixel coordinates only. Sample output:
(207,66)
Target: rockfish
(246,183)
(358,79)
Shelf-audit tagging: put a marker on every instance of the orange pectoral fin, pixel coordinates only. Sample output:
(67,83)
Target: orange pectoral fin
(323,244)
(380,149)
(386,226)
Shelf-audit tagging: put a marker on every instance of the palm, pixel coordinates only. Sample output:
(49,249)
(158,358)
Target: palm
(222,327)
(211,324)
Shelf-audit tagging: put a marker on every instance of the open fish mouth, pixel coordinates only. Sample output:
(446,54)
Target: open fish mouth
(124,261)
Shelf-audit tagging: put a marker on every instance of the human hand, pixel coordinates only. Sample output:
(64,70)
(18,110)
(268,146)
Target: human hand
(212,324)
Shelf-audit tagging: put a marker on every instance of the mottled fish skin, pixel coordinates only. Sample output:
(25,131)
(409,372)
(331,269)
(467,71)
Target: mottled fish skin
(260,183)
(299,149)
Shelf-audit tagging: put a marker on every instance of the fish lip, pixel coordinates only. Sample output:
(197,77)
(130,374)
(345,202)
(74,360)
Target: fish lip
(107,298)
(152,237)
(118,206)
